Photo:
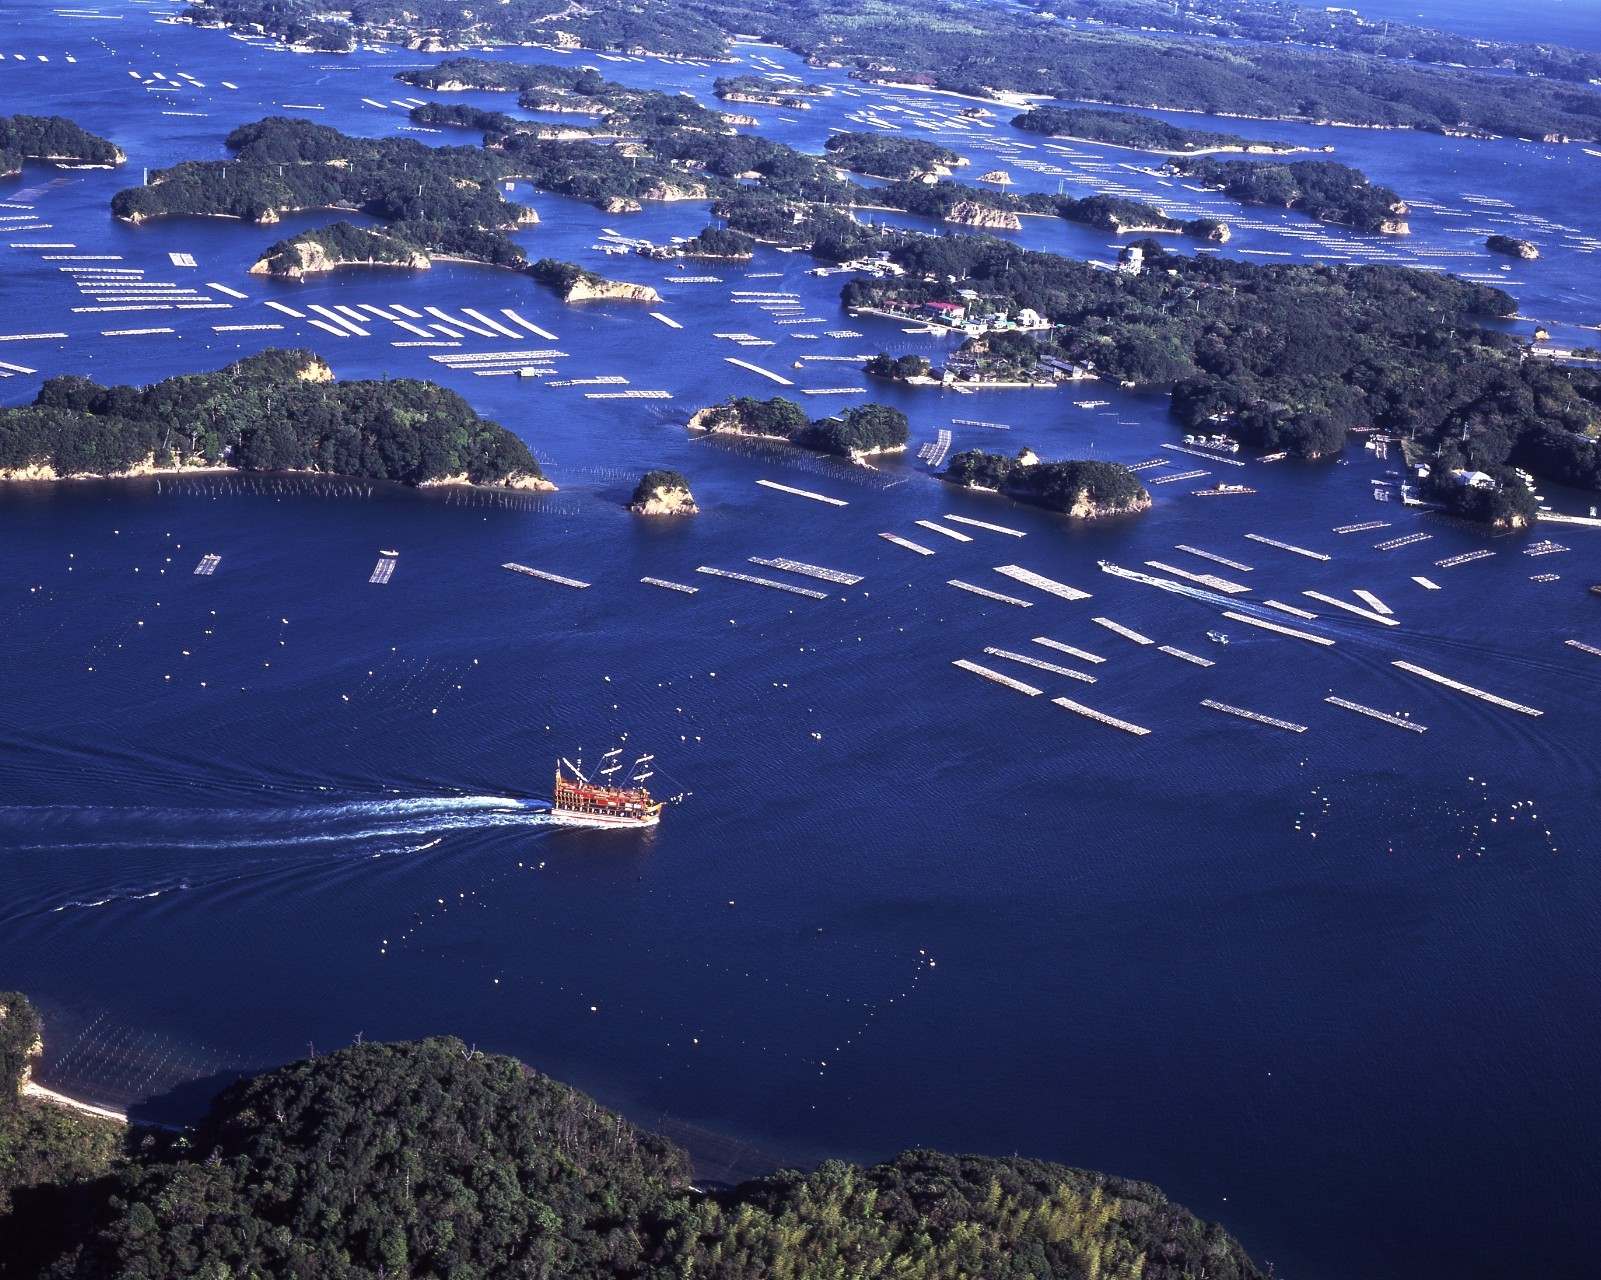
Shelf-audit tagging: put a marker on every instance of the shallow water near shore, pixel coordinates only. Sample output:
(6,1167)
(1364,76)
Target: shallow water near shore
(1332,988)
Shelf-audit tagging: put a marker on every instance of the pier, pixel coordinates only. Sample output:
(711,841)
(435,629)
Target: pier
(1100,717)
(1027,576)
(1282,630)
(1202,453)
(1271,721)
(1467,557)
(803,493)
(545,575)
(207,566)
(1040,664)
(1203,579)
(810,570)
(984,524)
(991,674)
(1356,609)
(1400,722)
(1286,546)
(1492,699)
(907,544)
(1215,558)
(1128,633)
(670,586)
(939,528)
(756,368)
(763,582)
(988,594)
(1083,655)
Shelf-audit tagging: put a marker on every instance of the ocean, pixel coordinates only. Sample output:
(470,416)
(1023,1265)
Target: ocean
(1331,987)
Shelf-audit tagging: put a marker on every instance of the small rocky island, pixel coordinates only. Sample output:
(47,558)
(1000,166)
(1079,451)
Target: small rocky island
(276,411)
(52,140)
(858,433)
(574,284)
(663,493)
(1080,489)
(341,244)
(1512,247)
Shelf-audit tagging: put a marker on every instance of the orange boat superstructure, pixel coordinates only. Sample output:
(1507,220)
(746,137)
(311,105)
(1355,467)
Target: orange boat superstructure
(602,804)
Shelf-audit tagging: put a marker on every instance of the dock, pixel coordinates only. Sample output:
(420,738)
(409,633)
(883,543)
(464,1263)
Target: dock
(1040,664)
(545,575)
(1405,540)
(1280,629)
(382,571)
(756,368)
(1373,602)
(1287,546)
(803,493)
(1214,558)
(665,319)
(1364,527)
(1467,557)
(1400,722)
(1083,655)
(810,570)
(1290,609)
(762,582)
(986,525)
(1039,581)
(1210,580)
(1184,655)
(990,674)
(207,566)
(1272,722)
(666,585)
(1356,609)
(932,527)
(1100,717)
(1492,699)
(1426,584)
(907,544)
(1583,647)
(988,594)
(1128,633)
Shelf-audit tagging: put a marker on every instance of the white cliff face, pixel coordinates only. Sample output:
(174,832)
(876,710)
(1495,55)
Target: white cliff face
(308,257)
(610,291)
(666,500)
(969,213)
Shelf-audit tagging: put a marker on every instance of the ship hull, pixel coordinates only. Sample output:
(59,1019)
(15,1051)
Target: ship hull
(613,821)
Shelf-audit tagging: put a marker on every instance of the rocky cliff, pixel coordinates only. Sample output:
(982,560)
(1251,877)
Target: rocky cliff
(969,213)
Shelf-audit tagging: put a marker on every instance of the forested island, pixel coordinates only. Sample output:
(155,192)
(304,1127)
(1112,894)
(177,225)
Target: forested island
(1131,53)
(1080,489)
(1284,357)
(52,140)
(1144,133)
(577,284)
(1512,247)
(768,91)
(663,493)
(428,1158)
(857,433)
(1321,189)
(881,155)
(275,411)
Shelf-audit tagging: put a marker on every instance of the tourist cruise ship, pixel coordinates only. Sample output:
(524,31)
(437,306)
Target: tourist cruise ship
(601,802)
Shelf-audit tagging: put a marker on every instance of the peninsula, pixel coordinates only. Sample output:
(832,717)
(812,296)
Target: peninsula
(276,411)
(52,140)
(596,1198)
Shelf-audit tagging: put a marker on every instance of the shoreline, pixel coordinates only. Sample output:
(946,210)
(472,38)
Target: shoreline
(53,1097)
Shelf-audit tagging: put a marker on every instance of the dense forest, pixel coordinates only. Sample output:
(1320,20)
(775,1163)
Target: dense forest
(864,429)
(276,411)
(884,155)
(433,1159)
(1076,488)
(1321,189)
(778,93)
(1127,129)
(1284,357)
(1349,71)
(51,138)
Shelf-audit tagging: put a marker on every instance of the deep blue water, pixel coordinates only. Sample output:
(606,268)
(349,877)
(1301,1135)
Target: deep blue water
(1334,988)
